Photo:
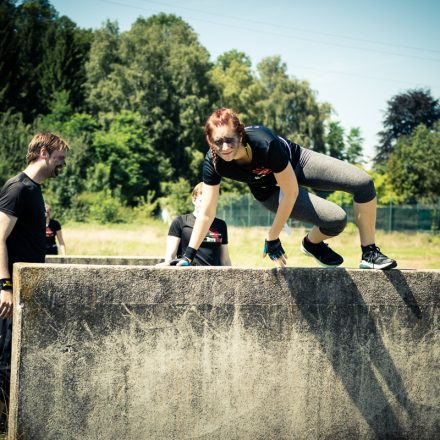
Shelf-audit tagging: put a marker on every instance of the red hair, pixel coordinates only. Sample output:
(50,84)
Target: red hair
(222,116)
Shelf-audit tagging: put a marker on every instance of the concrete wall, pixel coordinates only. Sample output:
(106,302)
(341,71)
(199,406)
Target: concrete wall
(133,353)
(95,260)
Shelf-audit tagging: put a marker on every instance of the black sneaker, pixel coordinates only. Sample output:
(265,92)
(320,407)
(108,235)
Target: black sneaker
(322,253)
(373,258)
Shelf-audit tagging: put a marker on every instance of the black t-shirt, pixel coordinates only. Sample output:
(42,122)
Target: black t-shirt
(21,197)
(208,253)
(270,154)
(51,232)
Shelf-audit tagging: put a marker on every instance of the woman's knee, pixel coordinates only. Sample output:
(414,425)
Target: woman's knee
(365,190)
(336,225)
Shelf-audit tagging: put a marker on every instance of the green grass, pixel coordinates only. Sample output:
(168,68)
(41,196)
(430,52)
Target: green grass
(412,250)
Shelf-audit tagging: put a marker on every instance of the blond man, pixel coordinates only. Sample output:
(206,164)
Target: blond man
(23,230)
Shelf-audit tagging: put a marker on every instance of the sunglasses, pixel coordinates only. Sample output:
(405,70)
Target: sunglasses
(226,140)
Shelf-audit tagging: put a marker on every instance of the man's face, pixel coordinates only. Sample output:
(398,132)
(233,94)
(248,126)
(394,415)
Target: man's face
(55,162)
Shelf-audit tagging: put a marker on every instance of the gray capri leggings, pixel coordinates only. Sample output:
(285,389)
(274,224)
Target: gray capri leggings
(325,173)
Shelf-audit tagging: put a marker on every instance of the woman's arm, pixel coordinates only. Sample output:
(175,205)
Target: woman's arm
(61,242)
(288,184)
(172,247)
(205,215)
(171,250)
(203,221)
(225,259)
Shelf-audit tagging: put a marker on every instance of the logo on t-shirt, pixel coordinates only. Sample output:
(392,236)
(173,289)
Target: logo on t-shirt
(49,232)
(213,236)
(261,172)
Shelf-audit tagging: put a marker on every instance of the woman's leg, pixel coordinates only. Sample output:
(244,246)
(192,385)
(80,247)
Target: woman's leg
(326,173)
(328,219)
(323,172)
(365,217)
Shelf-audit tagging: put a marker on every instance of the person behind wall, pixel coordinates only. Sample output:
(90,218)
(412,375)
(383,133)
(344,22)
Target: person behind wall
(213,250)
(53,234)
(22,233)
(276,170)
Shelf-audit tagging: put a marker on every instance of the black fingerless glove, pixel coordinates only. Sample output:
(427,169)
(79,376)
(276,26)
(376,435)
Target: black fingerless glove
(185,262)
(187,258)
(6,284)
(273,248)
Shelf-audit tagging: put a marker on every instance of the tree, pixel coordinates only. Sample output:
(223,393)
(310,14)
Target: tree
(354,145)
(385,192)
(40,54)
(161,72)
(14,140)
(232,75)
(289,106)
(414,165)
(8,55)
(34,18)
(404,113)
(342,146)
(65,49)
(335,140)
(103,61)
(126,160)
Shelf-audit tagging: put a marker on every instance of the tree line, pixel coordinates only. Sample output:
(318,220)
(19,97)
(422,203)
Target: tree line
(133,104)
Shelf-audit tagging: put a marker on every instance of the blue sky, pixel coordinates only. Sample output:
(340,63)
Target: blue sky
(355,54)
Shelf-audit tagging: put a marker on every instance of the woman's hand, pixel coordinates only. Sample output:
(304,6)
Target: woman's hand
(275,250)
(180,262)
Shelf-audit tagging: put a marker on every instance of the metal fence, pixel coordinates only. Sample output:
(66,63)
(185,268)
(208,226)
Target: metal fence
(246,211)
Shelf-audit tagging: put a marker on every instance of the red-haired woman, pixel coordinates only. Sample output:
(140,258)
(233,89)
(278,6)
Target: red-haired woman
(274,167)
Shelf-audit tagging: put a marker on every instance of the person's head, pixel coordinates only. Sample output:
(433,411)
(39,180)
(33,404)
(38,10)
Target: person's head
(51,150)
(225,134)
(47,210)
(197,195)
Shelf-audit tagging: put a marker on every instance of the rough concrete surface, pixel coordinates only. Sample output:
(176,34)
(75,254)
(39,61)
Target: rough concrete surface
(124,352)
(99,260)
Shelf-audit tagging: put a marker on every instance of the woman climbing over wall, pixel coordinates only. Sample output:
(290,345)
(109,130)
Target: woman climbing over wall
(274,167)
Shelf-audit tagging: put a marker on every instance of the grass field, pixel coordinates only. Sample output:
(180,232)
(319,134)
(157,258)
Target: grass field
(411,250)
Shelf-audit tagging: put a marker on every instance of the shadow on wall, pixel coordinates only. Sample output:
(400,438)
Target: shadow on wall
(346,330)
(396,278)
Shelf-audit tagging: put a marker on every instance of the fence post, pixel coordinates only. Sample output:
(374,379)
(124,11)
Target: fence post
(249,210)
(417,217)
(390,219)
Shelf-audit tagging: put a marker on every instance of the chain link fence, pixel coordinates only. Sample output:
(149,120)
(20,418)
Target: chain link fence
(246,211)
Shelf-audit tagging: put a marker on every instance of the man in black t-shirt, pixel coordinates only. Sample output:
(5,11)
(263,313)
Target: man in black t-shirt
(214,248)
(22,230)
